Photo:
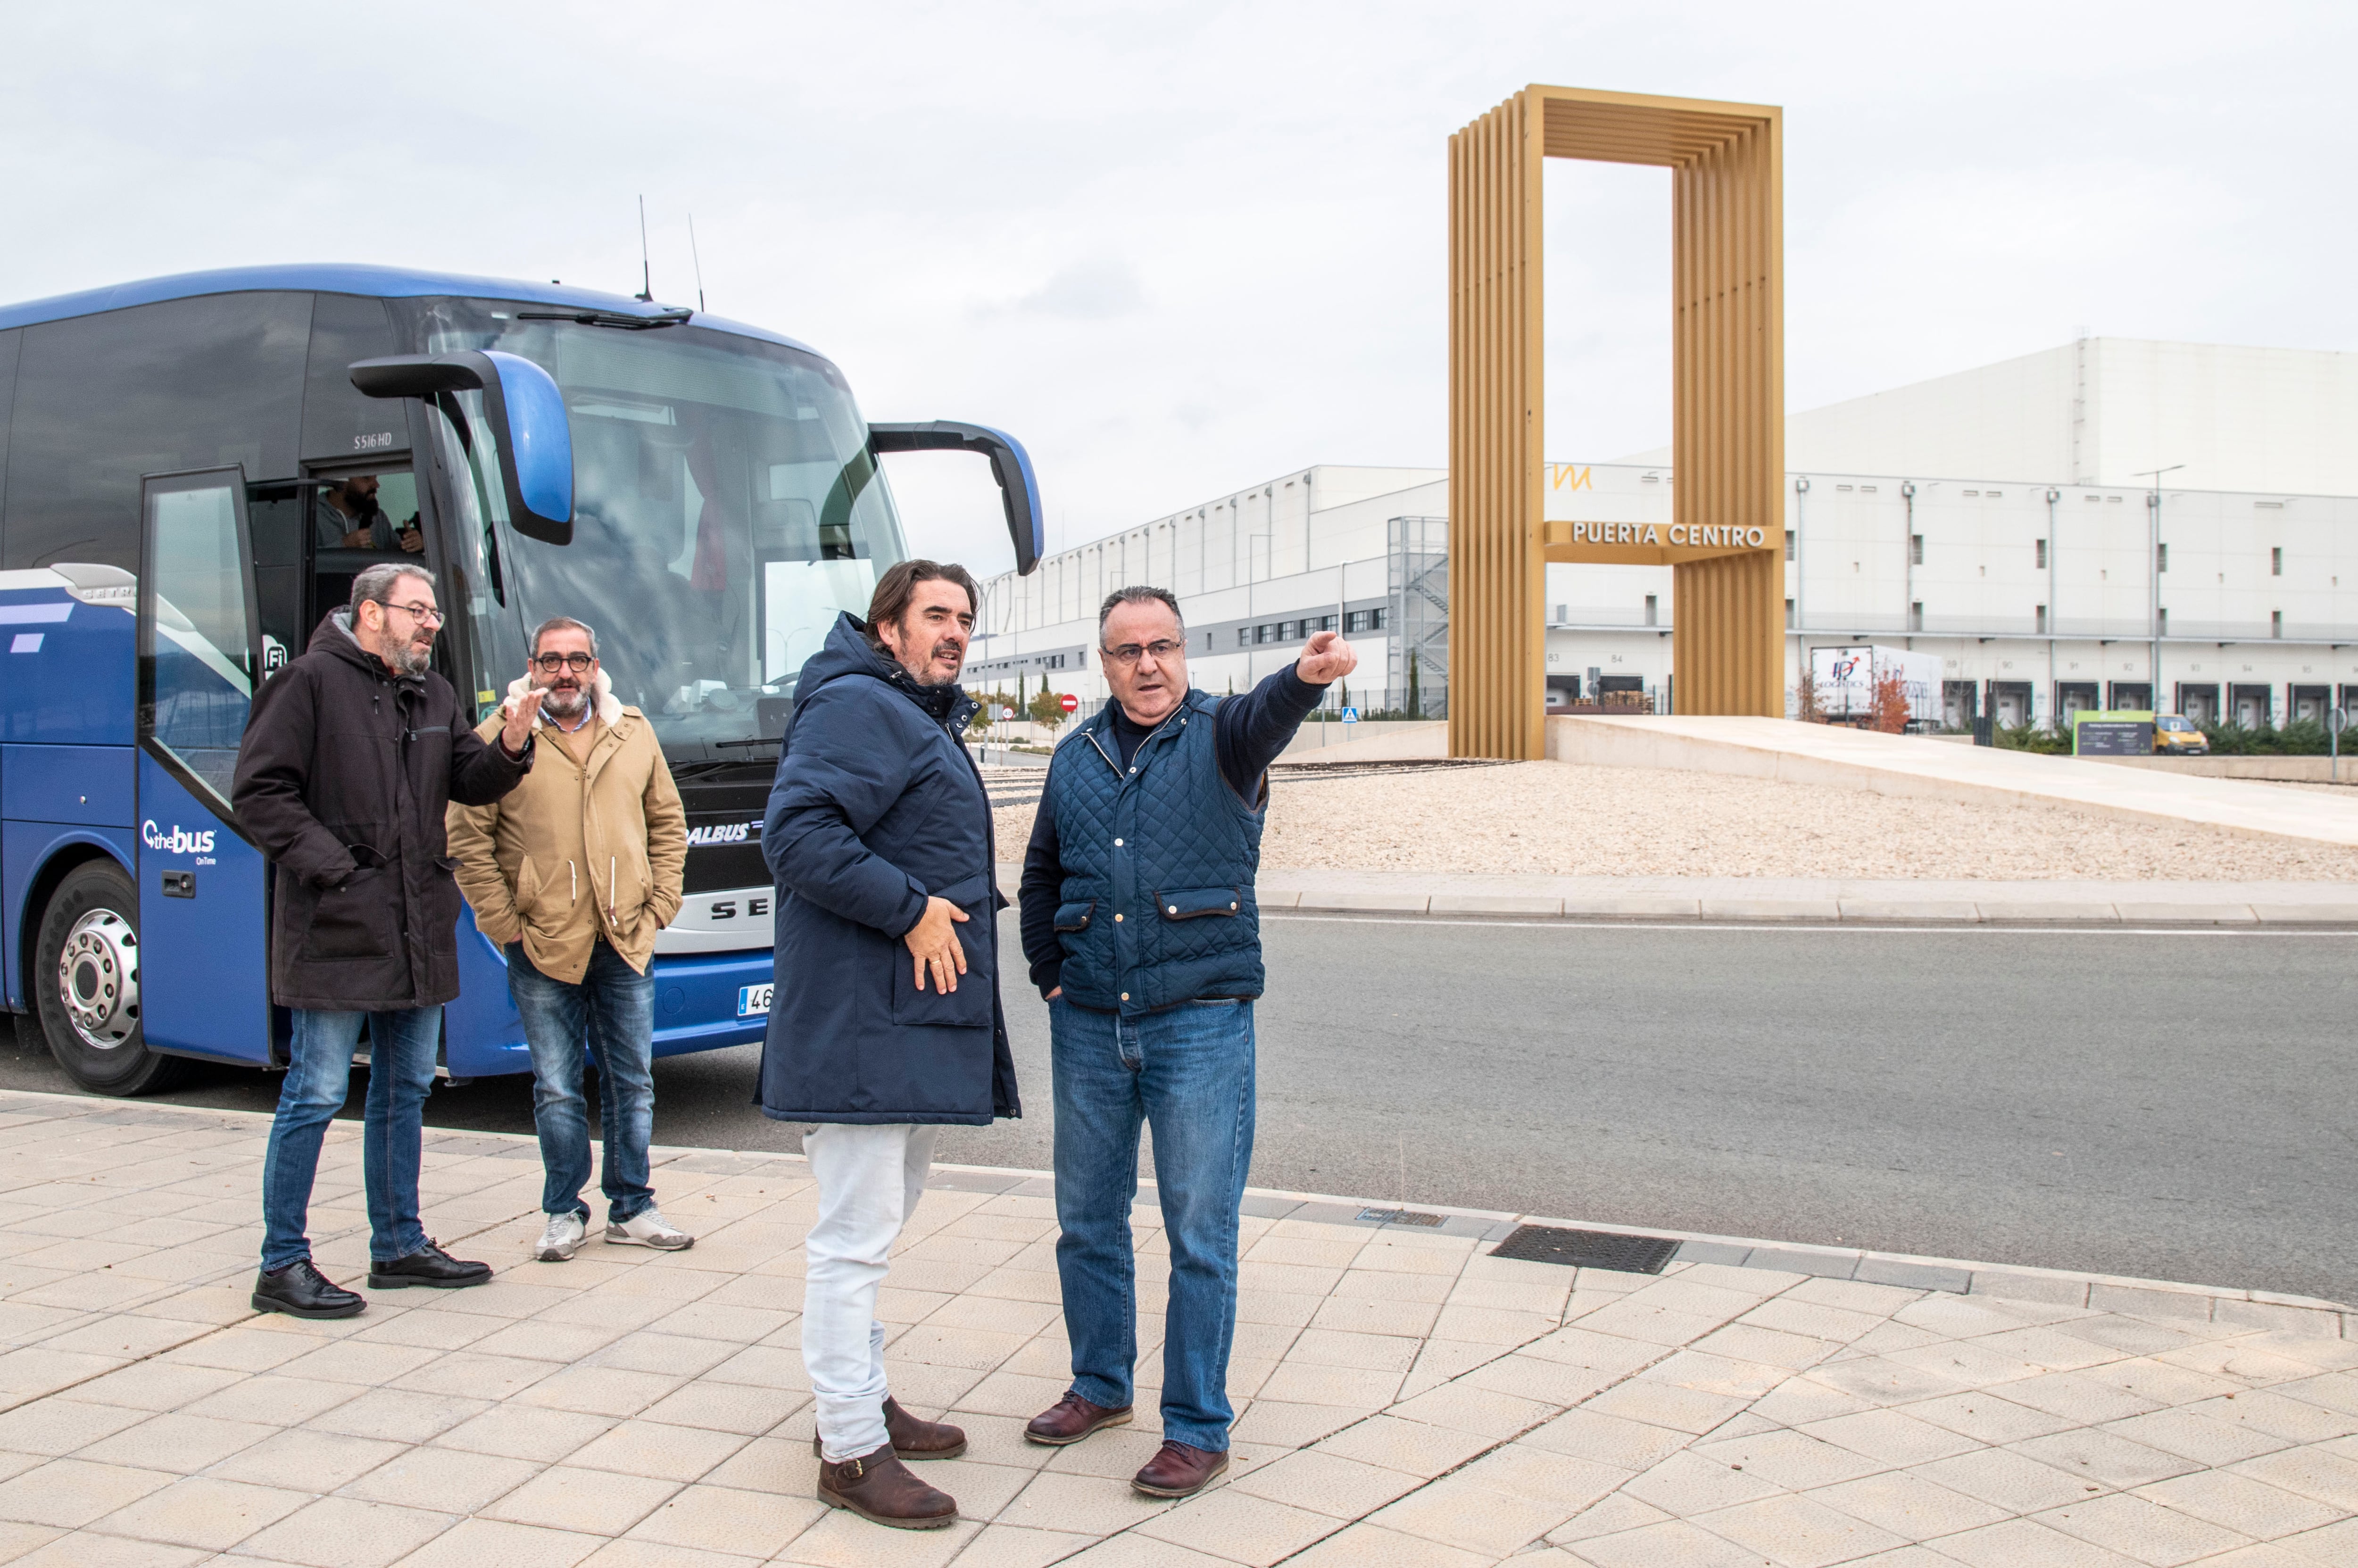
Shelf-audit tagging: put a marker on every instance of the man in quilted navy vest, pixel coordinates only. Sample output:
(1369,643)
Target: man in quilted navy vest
(1142,931)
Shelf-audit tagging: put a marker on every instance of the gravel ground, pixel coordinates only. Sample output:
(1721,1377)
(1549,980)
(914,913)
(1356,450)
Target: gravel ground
(1572,820)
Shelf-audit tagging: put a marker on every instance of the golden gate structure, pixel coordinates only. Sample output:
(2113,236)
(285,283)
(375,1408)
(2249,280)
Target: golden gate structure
(1725,544)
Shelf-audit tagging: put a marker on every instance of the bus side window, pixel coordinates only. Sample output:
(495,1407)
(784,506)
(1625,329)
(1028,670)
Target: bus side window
(275,518)
(10,343)
(102,400)
(339,426)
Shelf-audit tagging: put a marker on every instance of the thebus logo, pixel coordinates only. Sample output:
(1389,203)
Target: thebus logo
(178,841)
(724,833)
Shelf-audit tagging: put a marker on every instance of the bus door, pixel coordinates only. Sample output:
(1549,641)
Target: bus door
(203,925)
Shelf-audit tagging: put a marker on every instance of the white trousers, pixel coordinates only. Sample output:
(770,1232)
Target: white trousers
(869,1178)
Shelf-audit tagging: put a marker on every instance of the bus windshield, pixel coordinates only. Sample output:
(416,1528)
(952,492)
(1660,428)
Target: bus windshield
(726,507)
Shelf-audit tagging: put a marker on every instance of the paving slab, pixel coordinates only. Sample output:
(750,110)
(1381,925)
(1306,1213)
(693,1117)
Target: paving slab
(1410,1398)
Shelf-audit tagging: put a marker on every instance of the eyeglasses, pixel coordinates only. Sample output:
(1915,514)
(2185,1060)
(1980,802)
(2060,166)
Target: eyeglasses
(1164,651)
(577,663)
(425,615)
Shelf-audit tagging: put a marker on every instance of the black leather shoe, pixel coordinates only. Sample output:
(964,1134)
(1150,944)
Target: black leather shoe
(301,1290)
(430,1265)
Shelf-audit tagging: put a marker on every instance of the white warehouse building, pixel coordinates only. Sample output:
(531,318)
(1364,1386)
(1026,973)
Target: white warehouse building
(2042,591)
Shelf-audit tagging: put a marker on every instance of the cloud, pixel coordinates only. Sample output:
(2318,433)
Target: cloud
(1225,222)
(1086,291)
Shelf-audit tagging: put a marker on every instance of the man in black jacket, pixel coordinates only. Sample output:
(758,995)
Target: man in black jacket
(351,755)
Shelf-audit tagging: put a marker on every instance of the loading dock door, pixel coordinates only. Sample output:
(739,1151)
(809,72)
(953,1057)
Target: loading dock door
(2132,696)
(2010,703)
(2199,703)
(2310,702)
(2073,697)
(2250,706)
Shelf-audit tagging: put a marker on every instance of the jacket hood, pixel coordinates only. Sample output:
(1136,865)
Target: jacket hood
(610,706)
(847,652)
(335,636)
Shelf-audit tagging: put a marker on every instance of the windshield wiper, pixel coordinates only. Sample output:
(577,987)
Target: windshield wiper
(621,320)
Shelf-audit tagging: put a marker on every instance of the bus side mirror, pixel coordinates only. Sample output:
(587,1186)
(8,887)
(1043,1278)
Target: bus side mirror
(1011,465)
(532,440)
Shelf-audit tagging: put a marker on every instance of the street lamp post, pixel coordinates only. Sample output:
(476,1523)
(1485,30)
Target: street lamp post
(2153,574)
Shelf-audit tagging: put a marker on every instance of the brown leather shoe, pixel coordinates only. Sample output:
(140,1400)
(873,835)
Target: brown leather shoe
(914,1439)
(1179,1470)
(1071,1419)
(879,1489)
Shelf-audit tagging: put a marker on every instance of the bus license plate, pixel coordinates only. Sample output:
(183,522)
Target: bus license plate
(753,1001)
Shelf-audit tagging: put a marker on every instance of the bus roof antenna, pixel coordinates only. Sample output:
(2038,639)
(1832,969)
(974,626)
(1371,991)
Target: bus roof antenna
(699,261)
(646,278)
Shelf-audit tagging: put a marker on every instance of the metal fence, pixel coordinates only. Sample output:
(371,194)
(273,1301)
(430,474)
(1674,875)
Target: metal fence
(1370,703)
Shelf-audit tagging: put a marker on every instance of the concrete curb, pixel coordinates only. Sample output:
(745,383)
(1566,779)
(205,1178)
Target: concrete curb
(1794,900)
(1866,911)
(2111,1292)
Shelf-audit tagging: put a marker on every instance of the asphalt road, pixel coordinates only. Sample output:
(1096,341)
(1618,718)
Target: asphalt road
(2174,1105)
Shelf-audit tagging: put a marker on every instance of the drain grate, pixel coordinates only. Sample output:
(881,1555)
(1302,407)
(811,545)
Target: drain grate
(1587,1248)
(1399,1217)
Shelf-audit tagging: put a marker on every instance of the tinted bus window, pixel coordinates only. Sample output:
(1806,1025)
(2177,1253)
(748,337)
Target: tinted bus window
(8,345)
(339,424)
(103,399)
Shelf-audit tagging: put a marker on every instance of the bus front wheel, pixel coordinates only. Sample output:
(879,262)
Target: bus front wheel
(85,984)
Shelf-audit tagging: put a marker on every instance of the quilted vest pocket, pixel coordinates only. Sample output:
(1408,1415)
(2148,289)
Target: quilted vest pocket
(1194,904)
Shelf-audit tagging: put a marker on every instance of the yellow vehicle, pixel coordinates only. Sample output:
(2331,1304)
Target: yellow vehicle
(2174,736)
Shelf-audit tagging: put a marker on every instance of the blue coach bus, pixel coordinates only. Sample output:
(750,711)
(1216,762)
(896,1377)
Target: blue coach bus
(193,469)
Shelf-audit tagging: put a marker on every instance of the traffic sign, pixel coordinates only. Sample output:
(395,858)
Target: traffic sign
(1069,703)
(1350,716)
(1007,713)
(2337,719)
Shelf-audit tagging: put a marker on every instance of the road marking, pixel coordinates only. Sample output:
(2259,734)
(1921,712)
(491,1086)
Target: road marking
(1574,922)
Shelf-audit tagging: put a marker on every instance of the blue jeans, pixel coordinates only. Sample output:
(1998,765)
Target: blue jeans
(1188,1072)
(401,1070)
(613,1009)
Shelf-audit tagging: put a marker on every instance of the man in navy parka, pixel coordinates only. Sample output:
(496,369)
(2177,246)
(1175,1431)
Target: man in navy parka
(886,1021)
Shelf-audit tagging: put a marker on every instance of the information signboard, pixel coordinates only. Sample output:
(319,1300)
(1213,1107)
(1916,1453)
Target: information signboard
(2114,733)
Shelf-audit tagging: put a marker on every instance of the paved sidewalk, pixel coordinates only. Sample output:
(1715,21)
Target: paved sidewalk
(1406,1398)
(1843,758)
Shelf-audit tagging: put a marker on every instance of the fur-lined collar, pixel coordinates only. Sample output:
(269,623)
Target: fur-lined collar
(610,706)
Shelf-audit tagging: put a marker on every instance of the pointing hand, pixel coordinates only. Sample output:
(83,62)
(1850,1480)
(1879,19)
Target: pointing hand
(1326,658)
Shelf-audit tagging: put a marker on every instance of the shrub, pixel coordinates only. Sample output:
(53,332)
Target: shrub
(2301,738)
(2033,737)
(1889,714)
(1047,707)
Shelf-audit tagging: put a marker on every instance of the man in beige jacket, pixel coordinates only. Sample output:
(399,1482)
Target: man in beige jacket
(572,874)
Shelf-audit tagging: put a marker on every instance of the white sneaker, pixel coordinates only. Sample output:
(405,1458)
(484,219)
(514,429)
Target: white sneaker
(648,1228)
(562,1237)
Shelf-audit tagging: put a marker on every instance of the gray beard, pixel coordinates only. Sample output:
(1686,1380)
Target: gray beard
(564,705)
(408,658)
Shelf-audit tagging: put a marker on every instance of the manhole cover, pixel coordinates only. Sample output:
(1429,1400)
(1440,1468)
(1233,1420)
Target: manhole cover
(1399,1217)
(1587,1248)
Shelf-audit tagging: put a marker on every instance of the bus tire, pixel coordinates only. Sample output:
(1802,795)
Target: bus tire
(88,998)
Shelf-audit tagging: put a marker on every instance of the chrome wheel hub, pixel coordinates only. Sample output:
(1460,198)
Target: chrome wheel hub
(98,978)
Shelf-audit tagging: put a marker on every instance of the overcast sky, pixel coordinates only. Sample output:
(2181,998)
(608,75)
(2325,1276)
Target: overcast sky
(1181,249)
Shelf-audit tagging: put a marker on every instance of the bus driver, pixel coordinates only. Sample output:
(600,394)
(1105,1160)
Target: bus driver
(351,519)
